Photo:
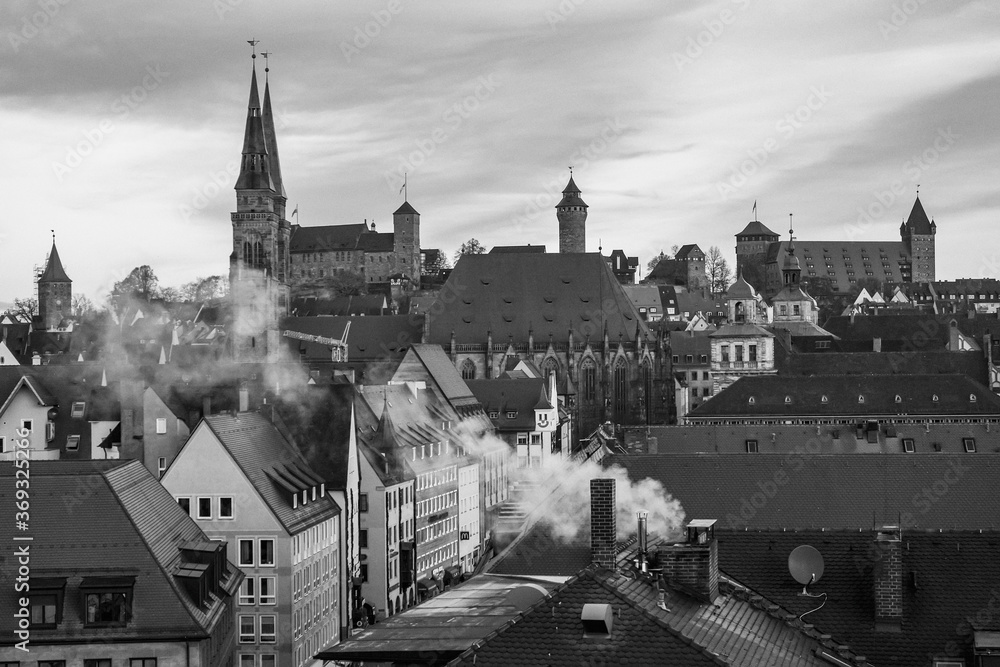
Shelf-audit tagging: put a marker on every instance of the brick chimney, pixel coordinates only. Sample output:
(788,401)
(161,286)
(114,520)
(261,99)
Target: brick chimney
(888,576)
(692,566)
(603,525)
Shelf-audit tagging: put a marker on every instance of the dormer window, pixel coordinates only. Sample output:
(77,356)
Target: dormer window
(899,399)
(79,407)
(934,398)
(107,600)
(824,399)
(751,400)
(788,399)
(511,414)
(972,398)
(861,398)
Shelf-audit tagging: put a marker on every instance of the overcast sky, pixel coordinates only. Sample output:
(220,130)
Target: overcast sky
(123,123)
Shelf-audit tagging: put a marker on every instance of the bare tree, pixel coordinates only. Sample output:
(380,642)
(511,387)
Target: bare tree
(651,264)
(23,310)
(717,270)
(83,307)
(470,247)
(140,282)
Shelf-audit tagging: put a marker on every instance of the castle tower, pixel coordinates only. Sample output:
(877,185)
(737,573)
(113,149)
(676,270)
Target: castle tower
(917,234)
(55,292)
(258,266)
(406,241)
(572,214)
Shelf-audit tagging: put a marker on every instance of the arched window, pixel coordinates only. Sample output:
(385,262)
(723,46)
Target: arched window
(549,367)
(647,383)
(588,379)
(739,315)
(468,370)
(621,389)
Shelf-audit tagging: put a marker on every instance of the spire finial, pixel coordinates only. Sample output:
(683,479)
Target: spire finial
(403,189)
(918,189)
(571,171)
(53,236)
(266,68)
(253,45)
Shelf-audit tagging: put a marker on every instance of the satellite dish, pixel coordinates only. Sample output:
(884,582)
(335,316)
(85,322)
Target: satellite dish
(805,564)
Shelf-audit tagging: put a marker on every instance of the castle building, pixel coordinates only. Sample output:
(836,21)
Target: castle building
(55,293)
(686,268)
(844,264)
(572,214)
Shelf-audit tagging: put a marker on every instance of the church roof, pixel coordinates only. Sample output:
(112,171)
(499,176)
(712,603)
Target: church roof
(508,294)
(757,228)
(271,141)
(54,272)
(918,222)
(741,289)
(253,177)
(405,209)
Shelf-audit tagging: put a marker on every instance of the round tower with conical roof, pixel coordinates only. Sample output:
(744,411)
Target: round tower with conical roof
(572,214)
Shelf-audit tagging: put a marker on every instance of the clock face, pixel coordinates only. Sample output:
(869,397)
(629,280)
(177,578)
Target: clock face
(58,302)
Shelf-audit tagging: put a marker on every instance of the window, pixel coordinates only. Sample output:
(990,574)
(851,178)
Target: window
(363,502)
(161,466)
(688,358)
(676,358)
(363,538)
(247,591)
(185,504)
(226,507)
(44,663)
(267,594)
(468,370)
(72,443)
(97,662)
(267,660)
(364,572)
(107,608)
(908,445)
(247,660)
(26,425)
(142,662)
(161,425)
(204,508)
(752,447)
(969,444)
(267,632)
(45,608)
(246,552)
(266,552)
(248,629)
(77,410)
(752,350)
(725,353)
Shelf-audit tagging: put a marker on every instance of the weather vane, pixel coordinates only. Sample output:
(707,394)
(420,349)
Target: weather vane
(253,45)
(266,54)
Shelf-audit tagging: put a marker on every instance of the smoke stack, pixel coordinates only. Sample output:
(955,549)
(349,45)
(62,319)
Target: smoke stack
(693,566)
(889,578)
(603,526)
(206,406)
(642,541)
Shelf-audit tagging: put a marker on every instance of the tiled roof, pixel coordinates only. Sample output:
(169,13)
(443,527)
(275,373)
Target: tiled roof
(907,332)
(509,294)
(364,304)
(948,581)
(802,490)
(689,250)
(325,238)
(670,271)
(700,301)
(504,396)
(683,343)
(258,448)
(442,371)
(741,289)
(54,272)
(844,259)
(405,209)
(551,633)
(917,221)
(376,241)
(742,329)
(386,337)
(644,296)
(861,396)
(127,524)
(883,363)
(517,248)
(756,228)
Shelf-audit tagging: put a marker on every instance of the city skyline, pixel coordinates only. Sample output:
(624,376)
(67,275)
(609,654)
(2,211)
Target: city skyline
(129,122)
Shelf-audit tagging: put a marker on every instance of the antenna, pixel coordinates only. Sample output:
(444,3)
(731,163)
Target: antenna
(805,564)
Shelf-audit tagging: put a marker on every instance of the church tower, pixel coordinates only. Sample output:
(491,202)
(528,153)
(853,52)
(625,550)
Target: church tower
(258,266)
(917,234)
(572,214)
(55,292)
(406,242)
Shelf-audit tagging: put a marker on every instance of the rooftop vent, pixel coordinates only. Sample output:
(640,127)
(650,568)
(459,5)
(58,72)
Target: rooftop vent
(597,620)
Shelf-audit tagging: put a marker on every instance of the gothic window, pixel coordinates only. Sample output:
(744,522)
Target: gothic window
(647,384)
(588,376)
(468,370)
(550,367)
(621,389)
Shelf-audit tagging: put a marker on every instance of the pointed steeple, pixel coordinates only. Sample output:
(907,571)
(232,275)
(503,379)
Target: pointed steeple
(791,270)
(271,138)
(918,223)
(54,272)
(571,195)
(255,170)
(386,429)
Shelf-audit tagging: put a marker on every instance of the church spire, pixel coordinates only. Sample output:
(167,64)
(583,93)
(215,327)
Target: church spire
(54,272)
(270,138)
(255,171)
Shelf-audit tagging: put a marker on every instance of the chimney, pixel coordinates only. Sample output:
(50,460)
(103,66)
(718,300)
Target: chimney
(888,577)
(692,566)
(643,565)
(244,399)
(877,344)
(206,406)
(603,527)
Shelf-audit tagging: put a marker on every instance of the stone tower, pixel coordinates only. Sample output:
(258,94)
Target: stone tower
(258,266)
(406,241)
(55,293)
(572,214)
(917,234)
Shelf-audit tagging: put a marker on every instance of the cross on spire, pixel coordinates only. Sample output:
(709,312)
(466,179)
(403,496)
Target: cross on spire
(266,68)
(253,45)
